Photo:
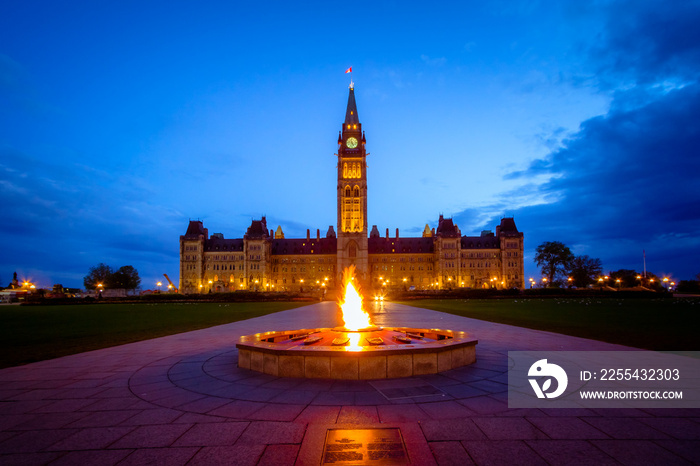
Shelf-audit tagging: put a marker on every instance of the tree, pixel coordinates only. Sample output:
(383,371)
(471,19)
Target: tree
(553,257)
(628,278)
(585,270)
(100,274)
(127,277)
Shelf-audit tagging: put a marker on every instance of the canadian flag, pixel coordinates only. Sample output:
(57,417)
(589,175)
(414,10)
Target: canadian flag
(349,70)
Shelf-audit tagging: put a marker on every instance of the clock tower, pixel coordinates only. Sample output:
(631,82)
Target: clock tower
(352,194)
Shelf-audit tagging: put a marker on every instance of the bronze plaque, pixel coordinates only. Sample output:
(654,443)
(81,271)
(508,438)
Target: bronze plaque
(364,446)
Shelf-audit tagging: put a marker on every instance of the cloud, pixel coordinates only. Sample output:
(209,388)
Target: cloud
(439,61)
(646,43)
(63,217)
(626,181)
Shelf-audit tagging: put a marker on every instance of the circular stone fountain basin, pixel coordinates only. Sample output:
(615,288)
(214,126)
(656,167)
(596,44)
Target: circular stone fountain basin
(373,353)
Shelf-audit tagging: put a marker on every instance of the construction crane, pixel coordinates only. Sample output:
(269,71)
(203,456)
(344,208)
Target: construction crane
(171,286)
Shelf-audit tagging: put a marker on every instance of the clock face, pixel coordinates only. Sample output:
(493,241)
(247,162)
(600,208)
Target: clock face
(351,143)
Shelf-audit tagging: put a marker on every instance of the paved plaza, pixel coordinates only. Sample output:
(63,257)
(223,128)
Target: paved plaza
(181,400)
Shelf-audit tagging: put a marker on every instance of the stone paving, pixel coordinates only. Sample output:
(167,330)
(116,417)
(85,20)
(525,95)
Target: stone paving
(181,400)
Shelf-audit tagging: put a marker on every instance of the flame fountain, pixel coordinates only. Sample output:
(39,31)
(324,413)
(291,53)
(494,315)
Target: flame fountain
(358,350)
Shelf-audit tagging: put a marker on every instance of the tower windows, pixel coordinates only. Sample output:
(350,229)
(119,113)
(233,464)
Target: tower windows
(352,170)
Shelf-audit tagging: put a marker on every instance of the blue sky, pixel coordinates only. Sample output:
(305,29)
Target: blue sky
(121,121)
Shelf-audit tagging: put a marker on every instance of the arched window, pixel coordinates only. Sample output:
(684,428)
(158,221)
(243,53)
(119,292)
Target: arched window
(356,191)
(345,170)
(353,251)
(347,191)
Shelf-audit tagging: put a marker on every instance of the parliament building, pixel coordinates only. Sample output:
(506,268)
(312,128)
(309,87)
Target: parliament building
(264,260)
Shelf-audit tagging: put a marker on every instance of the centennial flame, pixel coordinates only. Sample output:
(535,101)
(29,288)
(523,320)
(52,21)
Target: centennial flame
(354,316)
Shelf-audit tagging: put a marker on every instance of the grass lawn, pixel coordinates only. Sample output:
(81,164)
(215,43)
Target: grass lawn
(35,333)
(657,324)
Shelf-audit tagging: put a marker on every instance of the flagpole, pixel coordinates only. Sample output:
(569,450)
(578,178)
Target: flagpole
(349,70)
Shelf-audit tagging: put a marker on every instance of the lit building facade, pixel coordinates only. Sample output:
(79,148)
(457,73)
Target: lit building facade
(264,260)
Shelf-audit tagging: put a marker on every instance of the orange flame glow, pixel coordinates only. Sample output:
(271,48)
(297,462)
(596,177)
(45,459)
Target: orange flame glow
(354,316)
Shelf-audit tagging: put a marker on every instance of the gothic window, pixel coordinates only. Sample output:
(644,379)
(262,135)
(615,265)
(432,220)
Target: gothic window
(356,216)
(356,191)
(345,170)
(353,251)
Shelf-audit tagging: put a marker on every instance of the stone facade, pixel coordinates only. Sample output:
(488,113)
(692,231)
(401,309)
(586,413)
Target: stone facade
(264,260)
